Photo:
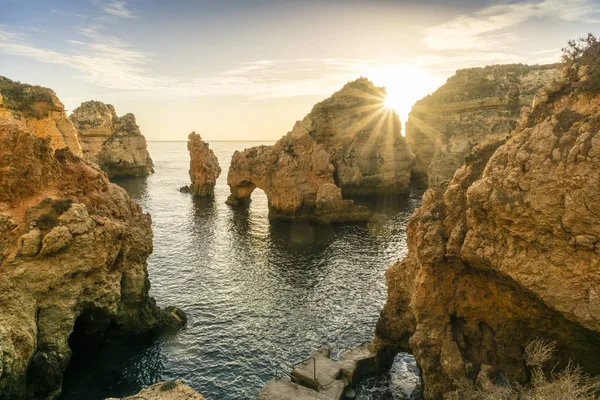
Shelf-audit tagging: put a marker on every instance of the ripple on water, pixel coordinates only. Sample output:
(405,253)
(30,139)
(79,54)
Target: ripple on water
(258,295)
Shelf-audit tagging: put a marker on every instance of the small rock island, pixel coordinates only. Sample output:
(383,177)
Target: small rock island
(114,143)
(204,167)
(349,144)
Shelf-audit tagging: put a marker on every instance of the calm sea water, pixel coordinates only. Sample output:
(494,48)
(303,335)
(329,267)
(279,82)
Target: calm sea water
(259,296)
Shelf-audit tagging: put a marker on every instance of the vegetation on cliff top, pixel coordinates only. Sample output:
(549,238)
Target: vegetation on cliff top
(29,100)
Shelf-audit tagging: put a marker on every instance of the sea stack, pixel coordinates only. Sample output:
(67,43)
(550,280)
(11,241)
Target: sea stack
(507,252)
(204,167)
(114,143)
(73,251)
(475,106)
(349,144)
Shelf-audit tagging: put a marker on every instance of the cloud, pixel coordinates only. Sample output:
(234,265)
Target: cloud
(119,9)
(486,28)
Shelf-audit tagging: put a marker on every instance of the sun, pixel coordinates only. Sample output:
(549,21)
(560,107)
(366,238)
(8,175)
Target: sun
(404,84)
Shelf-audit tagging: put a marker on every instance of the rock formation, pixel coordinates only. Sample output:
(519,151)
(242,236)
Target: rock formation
(349,144)
(41,111)
(114,143)
(474,106)
(506,252)
(170,390)
(204,167)
(73,250)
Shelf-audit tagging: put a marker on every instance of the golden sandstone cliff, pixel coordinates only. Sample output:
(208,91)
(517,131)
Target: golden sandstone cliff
(474,106)
(508,250)
(41,111)
(204,167)
(349,144)
(114,143)
(73,250)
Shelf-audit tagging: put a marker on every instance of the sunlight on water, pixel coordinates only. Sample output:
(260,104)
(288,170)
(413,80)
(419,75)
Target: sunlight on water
(259,296)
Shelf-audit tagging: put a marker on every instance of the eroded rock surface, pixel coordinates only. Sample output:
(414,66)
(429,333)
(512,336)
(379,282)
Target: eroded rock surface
(73,250)
(114,143)
(204,167)
(296,174)
(170,390)
(349,144)
(504,253)
(41,111)
(475,106)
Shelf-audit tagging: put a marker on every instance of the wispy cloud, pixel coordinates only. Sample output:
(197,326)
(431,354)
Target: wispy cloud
(119,9)
(487,28)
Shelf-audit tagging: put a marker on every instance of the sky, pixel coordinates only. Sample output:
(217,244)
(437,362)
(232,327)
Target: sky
(248,69)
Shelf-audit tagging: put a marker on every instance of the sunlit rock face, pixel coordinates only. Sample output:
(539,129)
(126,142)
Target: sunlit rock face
(73,250)
(204,167)
(475,105)
(505,252)
(114,143)
(41,111)
(170,390)
(349,144)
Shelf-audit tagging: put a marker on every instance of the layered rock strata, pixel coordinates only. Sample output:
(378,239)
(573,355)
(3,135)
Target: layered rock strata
(41,111)
(475,105)
(73,251)
(114,143)
(504,253)
(204,167)
(170,390)
(349,144)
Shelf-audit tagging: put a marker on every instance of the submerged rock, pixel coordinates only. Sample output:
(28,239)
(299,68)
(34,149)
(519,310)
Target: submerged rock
(204,167)
(169,390)
(476,105)
(73,251)
(41,111)
(114,143)
(349,141)
(504,253)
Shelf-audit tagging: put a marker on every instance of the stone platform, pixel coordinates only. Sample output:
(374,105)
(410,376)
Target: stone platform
(321,378)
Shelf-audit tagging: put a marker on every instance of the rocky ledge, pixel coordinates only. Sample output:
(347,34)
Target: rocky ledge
(349,144)
(41,111)
(169,390)
(204,167)
(474,106)
(114,143)
(73,251)
(507,252)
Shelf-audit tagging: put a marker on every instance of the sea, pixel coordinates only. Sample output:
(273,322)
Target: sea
(259,295)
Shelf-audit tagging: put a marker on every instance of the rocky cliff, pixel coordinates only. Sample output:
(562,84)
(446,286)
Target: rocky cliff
(474,106)
(73,250)
(114,143)
(349,144)
(170,390)
(204,167)
(506,252)
(41,111)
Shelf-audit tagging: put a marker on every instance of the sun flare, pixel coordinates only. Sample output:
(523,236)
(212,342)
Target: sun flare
(404,84)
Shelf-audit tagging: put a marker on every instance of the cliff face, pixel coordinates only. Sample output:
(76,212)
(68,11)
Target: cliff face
(474,106)
(504,253)
(170,390)
(41,111)
(73,250)
(114,143)
(348,145)
(204,167)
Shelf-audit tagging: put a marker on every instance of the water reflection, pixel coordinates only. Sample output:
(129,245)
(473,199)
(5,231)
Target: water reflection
(258,295)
